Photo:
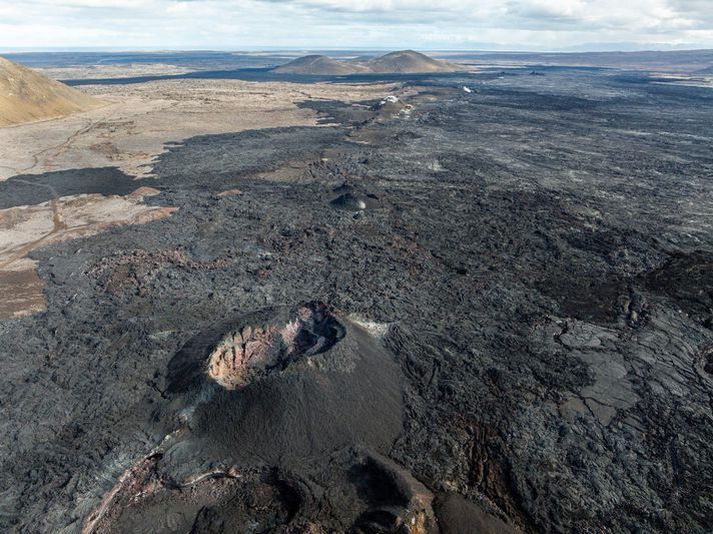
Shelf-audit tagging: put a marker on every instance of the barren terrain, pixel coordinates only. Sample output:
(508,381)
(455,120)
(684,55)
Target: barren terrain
(129,131)
(140,120)
(486,302)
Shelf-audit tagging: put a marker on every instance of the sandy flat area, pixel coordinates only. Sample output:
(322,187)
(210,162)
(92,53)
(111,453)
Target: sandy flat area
(129,132)
(138,120)
(26,228)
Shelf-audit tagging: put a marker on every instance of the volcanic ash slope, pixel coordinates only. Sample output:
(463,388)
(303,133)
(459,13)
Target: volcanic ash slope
(26,95)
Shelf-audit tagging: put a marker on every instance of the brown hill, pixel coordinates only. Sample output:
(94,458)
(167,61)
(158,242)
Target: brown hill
(319,66)
(26,95)
(408,61)
(405,61)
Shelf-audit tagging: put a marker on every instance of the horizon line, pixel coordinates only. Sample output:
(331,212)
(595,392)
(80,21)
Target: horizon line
(168,49)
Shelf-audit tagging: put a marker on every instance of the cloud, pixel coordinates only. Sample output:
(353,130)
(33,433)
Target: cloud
(244,24)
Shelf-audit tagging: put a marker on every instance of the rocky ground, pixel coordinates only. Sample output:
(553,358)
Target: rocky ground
(133,126)
(465,311)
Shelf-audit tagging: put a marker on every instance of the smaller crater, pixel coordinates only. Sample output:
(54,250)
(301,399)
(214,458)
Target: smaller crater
(354,201)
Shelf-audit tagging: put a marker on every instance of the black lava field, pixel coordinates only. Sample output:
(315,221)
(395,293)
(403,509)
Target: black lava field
(486,311)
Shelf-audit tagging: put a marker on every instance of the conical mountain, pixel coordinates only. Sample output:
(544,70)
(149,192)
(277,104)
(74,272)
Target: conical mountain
(319,66)
(26,95)
(404,62)
(409,62)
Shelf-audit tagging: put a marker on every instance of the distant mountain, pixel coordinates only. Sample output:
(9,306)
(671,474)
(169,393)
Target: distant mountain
(319,66)
(405,61)
(26,95)
(409,62)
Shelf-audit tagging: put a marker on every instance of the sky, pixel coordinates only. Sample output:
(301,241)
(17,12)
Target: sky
(356,24)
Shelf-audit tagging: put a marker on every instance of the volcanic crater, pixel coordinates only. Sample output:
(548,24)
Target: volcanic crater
(251,352)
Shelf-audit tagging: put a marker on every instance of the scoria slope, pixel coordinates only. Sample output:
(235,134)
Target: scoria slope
(26,95)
